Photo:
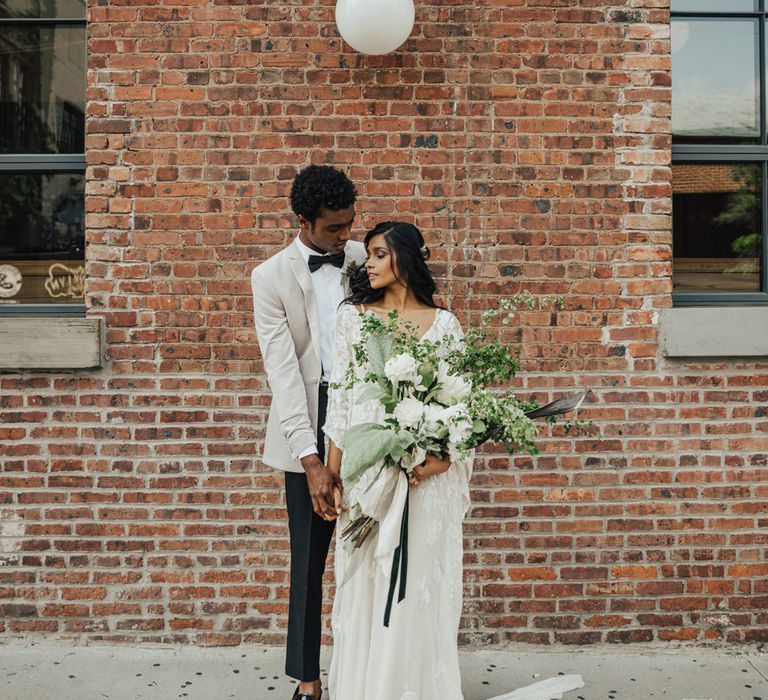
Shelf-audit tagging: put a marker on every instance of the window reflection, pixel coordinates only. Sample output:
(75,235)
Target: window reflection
(715,80)
(42,89)
(721,6)
(66,9)
(42,237)
(717,219)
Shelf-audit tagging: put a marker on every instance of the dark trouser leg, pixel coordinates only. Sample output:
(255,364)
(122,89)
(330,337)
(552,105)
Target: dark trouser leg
(310,539)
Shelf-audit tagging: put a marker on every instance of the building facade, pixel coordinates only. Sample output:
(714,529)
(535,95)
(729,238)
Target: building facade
(532,142)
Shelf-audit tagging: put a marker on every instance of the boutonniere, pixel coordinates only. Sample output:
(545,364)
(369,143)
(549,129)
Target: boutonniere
(352,268)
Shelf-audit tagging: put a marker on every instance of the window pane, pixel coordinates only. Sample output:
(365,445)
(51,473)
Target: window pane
(42,89)
(715,81)
(42,237)
(716,227)
(69,9)
(715,5)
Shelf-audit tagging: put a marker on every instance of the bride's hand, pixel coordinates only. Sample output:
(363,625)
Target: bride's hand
(338,500)
(432,467)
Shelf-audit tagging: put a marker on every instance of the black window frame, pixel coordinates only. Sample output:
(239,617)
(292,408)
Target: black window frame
(43,163)
(733,153)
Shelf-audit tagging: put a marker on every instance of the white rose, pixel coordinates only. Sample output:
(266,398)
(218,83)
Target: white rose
(459,423)
(453,389)
(459,431)
(409,412)
(434,414)
(401,368)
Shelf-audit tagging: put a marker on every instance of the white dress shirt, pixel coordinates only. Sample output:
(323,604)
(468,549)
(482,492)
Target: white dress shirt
(329,293)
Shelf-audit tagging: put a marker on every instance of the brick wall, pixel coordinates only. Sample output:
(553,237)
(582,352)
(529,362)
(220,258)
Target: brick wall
(706,177)
(530,140)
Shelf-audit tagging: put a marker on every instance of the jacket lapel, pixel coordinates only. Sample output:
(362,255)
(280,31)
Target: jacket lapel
(301,273)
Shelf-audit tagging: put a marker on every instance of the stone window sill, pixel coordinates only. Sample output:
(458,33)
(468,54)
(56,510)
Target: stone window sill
(45,343)
(714,331)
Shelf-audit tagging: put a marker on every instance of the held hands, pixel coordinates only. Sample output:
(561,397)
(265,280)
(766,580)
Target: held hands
(432,467)
(325,487)
(327,491)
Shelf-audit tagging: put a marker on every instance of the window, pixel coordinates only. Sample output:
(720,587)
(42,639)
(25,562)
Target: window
(42,155)
(719,152)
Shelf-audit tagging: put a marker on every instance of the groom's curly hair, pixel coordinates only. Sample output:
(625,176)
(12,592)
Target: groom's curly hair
(319,187)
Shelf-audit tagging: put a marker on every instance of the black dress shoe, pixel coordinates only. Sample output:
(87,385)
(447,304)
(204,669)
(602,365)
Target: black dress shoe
(305,696)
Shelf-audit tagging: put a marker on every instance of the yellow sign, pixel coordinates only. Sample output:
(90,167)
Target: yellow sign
(65,281)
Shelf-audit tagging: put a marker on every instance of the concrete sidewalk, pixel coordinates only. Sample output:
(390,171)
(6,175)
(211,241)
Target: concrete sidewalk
(53,671)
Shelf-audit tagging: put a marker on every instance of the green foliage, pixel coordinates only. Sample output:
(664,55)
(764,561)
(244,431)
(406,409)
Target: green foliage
(744,210)
(481,358)
(747,246)
(378,349)
(436,395)
(364,445)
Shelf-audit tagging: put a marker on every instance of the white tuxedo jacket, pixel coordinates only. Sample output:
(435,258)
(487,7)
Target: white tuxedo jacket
(287,326)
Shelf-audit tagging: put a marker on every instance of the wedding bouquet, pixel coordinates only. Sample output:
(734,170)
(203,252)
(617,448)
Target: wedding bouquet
(438,397)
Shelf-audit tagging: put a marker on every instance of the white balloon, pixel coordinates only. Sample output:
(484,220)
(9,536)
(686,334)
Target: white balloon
(375,26)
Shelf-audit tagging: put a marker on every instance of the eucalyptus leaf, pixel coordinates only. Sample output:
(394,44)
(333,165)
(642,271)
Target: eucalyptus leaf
(372,392)
(379,348)
(363,445)
(402,443)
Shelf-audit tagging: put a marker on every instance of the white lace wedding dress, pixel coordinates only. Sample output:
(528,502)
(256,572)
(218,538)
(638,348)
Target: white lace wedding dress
(416,656)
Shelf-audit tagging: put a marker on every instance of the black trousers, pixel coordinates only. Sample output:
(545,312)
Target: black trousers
(310,539)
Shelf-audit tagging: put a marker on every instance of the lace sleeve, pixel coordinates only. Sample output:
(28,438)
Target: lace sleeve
(451,326)
(337,416)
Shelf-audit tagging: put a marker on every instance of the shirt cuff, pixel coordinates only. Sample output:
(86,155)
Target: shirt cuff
(309,451)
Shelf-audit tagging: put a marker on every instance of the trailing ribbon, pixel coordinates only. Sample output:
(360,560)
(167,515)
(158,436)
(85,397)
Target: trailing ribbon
(549,689)
(400,557)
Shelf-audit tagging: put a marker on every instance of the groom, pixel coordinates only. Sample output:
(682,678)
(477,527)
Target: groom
(296,293)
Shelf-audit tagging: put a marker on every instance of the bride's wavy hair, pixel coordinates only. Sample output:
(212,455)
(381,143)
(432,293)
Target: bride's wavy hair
(410,255)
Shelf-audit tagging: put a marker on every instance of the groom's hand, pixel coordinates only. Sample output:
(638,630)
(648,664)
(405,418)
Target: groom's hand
(323,485)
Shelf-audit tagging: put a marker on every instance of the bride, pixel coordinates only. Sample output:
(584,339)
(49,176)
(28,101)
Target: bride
(414,657)
(406,650)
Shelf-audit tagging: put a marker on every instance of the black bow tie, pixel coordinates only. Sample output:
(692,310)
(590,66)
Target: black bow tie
(315,262)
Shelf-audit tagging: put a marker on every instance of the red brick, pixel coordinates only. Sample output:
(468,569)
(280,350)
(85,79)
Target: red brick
(546,169)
